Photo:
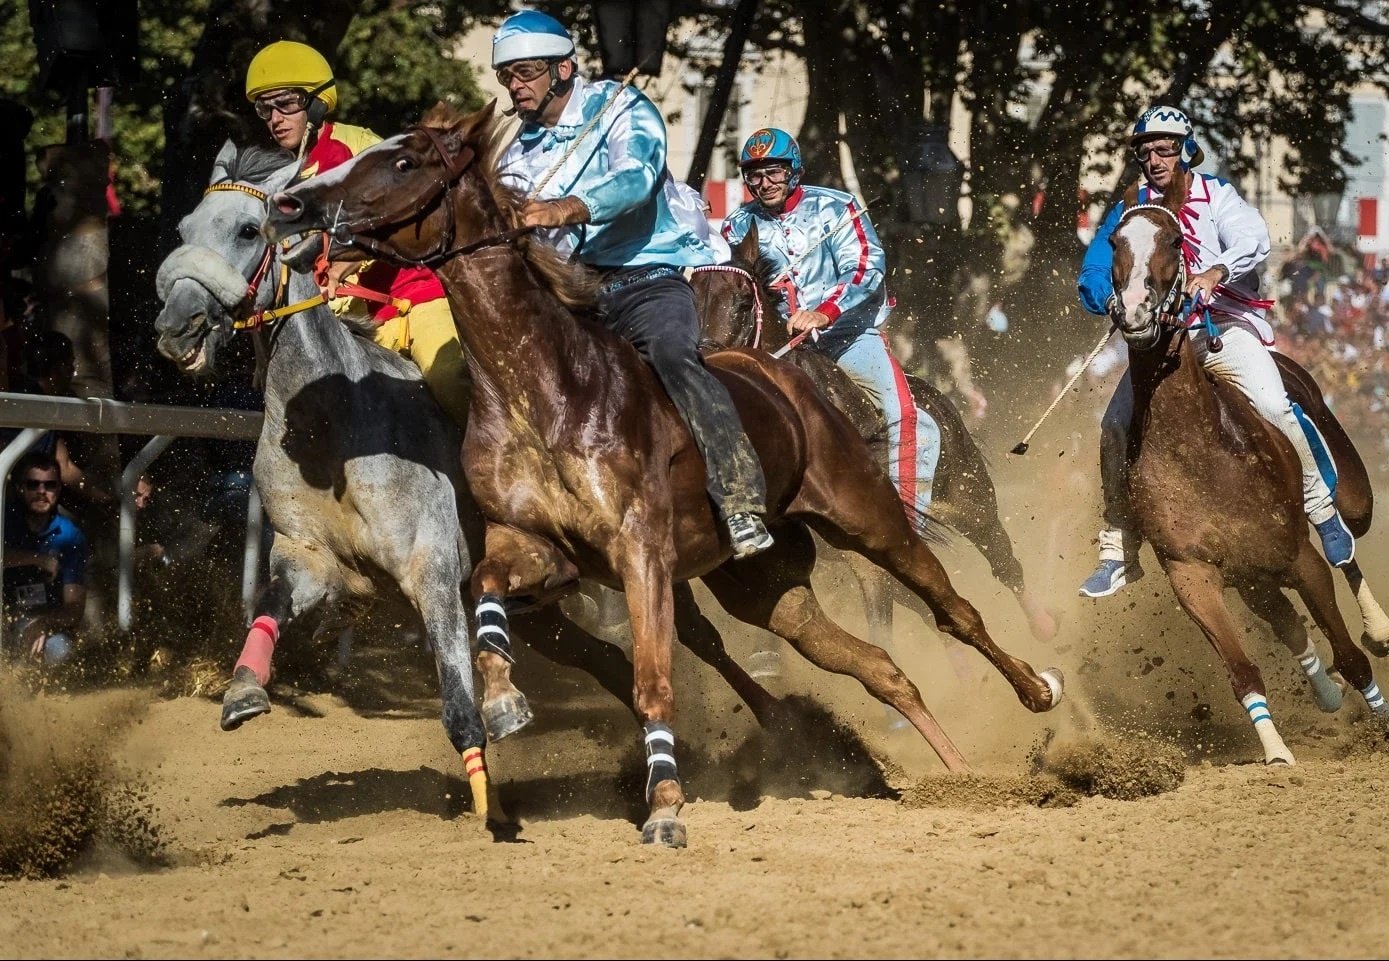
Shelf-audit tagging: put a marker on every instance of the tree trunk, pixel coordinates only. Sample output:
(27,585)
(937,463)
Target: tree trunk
(738,33)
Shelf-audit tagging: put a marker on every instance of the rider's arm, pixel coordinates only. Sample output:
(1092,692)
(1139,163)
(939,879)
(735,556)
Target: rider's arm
(858,261)
(1096,281)
(1244,240)
(636,144)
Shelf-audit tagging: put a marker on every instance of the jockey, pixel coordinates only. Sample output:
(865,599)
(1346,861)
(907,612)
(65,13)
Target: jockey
(294,92)
(835,290)
(612,204)
(1227,240)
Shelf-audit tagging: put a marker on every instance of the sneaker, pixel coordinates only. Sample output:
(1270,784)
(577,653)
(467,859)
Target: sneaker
(1109,577)
(748,534)
(1337,543)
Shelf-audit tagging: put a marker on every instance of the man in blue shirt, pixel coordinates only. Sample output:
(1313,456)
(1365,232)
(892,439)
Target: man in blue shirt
(45,563)
(607,200)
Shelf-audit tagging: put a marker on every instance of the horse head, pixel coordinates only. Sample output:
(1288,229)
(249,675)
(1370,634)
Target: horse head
(415,198)
(215,277)
(1149,271)
(735,301)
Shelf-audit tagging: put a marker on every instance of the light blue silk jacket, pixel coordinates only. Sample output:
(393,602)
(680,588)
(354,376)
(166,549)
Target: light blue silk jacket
(639,213)
(842,277)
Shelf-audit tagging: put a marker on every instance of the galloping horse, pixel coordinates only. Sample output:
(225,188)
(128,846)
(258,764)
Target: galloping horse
(358,469)
(1217,490)
(582,465)
(738,307)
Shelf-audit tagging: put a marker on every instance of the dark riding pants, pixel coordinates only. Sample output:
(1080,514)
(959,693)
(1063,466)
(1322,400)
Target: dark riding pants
(653,309)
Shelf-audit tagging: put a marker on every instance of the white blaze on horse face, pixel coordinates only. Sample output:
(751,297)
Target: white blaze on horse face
(1141,234)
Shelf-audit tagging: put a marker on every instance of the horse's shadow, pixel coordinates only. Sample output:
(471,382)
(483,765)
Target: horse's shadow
(335,419)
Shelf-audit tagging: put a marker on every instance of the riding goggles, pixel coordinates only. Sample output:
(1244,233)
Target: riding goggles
(522,70)
(777,174)
(1164,150)
(286,104)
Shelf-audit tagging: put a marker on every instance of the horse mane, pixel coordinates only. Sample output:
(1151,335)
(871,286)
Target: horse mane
(255,164)
(572,283)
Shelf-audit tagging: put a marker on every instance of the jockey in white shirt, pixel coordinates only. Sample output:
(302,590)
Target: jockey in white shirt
(835,288)
(1226,240)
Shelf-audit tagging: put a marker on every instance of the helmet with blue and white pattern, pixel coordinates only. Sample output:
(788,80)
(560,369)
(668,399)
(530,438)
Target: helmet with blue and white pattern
(1160,121)
(530,35)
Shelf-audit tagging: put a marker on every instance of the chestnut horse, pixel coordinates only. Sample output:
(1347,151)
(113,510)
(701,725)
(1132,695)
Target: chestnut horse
(582,465)
(738,307)
(1217,490)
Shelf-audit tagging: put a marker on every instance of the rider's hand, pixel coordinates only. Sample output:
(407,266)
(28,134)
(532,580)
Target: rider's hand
(554,213)
(1206,282)
(803,320)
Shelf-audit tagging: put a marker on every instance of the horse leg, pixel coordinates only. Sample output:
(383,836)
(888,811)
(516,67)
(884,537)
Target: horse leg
(1198,588)
(433,587)
(875,590)
(300,581)
(1266,600)
(514,562)
(1375,634)
(1314,584)
(773,591)
(703,639)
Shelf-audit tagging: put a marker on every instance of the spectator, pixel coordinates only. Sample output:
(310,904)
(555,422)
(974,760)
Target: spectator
(45,567)
(151,530)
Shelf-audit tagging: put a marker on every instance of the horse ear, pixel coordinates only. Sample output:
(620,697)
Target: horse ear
(748,250)
(467,127)
(1177,194)
(221,167)
(1131,195)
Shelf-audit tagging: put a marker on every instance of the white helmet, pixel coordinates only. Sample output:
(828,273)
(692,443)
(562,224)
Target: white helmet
(1169,122)
(530,35)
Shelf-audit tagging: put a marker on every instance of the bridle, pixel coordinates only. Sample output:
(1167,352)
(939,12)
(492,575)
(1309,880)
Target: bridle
(353,235)
(756,294)
(261,318)
(1175,307)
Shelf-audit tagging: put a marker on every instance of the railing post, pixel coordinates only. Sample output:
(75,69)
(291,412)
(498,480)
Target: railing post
(125,587)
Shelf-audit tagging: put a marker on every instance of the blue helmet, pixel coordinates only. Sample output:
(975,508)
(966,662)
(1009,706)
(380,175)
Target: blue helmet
(771,145)
(1169,122)
(530,35)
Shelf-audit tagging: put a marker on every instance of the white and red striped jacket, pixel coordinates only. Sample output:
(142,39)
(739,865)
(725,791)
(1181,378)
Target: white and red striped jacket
(843,275)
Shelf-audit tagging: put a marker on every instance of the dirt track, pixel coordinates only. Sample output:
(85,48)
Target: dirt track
(337,825)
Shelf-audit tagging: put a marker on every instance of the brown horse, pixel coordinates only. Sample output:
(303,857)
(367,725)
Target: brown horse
(738,307)
(1217,490)
(582,465)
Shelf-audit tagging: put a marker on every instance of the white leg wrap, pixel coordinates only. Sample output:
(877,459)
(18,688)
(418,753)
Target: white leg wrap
(1374,699)
(1372,616)
(1275,751)
(1324,689)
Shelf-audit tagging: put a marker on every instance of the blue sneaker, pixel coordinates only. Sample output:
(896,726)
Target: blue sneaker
(1336,541)
(1109,577)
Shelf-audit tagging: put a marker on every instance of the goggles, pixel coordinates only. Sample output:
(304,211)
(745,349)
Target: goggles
(286,104)
(522,70)
(778,174)
(1164,150)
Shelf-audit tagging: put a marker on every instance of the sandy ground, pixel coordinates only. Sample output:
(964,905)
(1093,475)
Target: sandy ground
(338,825)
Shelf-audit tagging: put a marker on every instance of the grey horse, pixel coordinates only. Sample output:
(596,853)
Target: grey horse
(356,465)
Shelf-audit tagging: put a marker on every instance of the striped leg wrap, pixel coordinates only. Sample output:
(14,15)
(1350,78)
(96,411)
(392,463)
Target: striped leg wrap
(1311,664)
(492,634)
(1374,699)
(1257,706)
(660,756)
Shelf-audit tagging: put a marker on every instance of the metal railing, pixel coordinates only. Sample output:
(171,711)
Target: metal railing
(38,414)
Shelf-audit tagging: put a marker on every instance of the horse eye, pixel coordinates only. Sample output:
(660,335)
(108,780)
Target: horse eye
(404,165)
(249,231)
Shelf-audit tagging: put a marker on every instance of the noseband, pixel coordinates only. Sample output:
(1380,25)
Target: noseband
(756,295)
(351,235)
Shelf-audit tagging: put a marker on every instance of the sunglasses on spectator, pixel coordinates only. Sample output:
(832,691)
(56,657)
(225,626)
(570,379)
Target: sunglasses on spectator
(47,485)
(771,175)
(1164,150)
(522,70)
(286,104)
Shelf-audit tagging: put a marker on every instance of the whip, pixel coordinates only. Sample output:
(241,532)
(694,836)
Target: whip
(1021,447)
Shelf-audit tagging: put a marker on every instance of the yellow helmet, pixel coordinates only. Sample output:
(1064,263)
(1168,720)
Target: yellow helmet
(286,64)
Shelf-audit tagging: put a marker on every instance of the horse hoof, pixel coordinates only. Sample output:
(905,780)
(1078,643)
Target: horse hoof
(668,831)
(1056,682)
(1377,648)
(504,716)
(245,699)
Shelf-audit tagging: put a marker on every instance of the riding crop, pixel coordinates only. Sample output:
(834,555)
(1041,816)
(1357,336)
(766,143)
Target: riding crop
(1021,447)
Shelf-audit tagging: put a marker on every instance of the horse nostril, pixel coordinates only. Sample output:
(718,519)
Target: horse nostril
(288,205)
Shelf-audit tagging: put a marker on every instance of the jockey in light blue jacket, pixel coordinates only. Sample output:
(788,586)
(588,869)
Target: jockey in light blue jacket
(612,204)
(836,290)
